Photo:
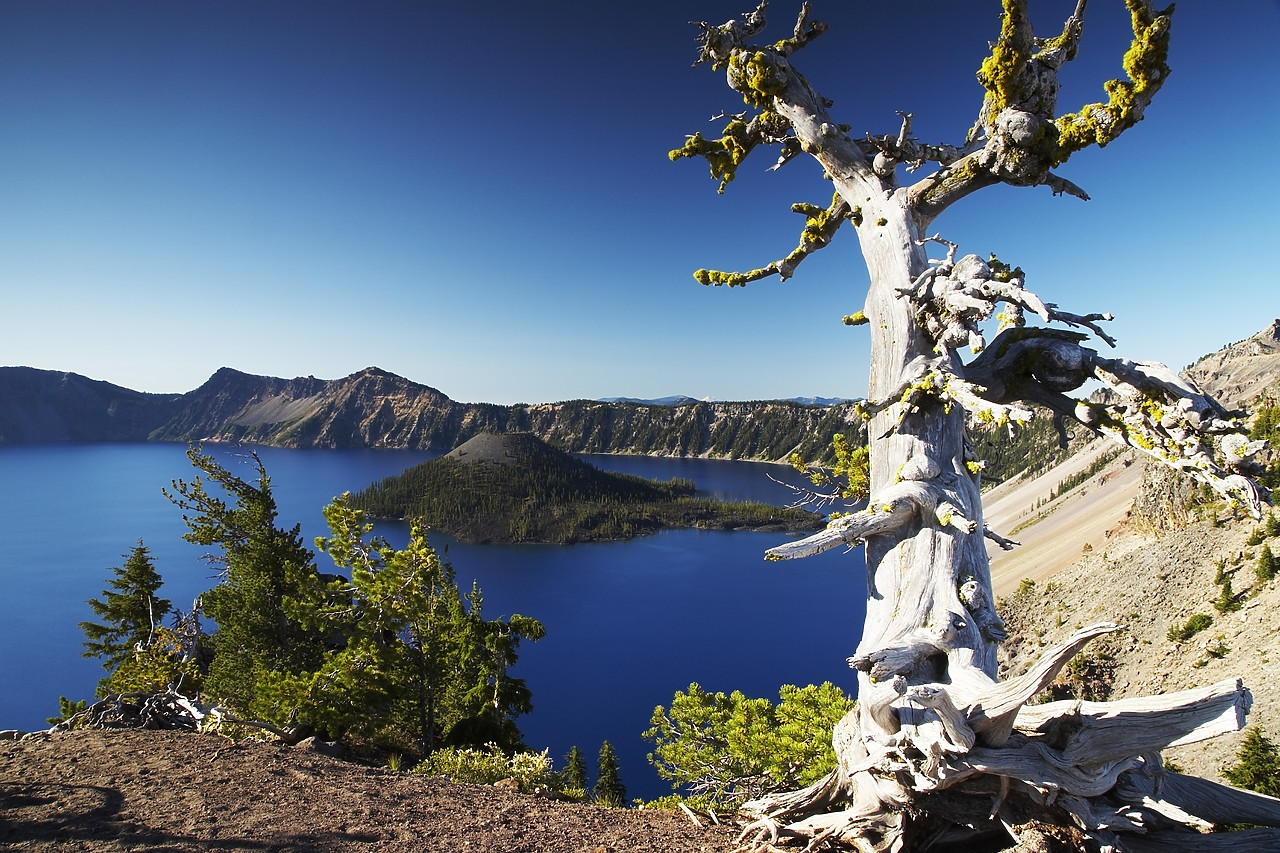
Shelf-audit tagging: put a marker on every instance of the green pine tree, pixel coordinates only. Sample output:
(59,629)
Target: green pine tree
(1226,602)
(731,747)
(419,666)
(129,610)
(1266,568)
(609,790)
(1257,766)
(574,776)
(1272,526)
(263,566)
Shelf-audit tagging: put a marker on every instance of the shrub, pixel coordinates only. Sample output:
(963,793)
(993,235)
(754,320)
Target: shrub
(1226,602)
(484,766)
(731,747)
(1193,626)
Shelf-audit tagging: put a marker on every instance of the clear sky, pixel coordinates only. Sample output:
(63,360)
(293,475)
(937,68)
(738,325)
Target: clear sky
(477,196)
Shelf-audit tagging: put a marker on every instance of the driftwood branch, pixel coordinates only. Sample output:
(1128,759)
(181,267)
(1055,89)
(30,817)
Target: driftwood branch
(887,511)
(992,714)
(1104,731)
(1005,544)
(1203,798)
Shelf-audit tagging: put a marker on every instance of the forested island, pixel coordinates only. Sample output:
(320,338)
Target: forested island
(517,488)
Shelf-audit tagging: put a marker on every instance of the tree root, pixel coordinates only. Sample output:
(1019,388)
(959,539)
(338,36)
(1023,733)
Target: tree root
(1088,768)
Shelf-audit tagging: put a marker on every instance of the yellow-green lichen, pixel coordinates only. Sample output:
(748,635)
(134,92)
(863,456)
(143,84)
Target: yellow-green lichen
(857,318)
(1001,271)
(757,75)
(1145,65)
(717,278)
(723,155)
(1001,72)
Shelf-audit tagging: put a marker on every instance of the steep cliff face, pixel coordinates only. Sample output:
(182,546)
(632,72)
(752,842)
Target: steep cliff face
(374,408)
(1236,374)
(45,405)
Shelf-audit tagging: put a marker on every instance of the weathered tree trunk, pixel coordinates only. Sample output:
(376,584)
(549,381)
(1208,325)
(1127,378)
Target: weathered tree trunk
(936,747)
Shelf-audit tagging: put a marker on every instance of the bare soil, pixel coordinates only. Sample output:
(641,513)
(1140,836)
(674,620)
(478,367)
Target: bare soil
(134,790)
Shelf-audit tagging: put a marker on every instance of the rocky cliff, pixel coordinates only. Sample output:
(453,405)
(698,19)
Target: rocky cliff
(374,408)
(1236,374)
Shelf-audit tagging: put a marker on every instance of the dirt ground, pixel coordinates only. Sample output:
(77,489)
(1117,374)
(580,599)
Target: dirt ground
(140,790)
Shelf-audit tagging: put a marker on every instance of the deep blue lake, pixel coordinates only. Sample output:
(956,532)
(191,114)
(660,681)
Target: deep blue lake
(628,623)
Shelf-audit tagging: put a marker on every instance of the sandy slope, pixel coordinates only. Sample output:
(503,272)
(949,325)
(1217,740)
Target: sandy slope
(1089,513)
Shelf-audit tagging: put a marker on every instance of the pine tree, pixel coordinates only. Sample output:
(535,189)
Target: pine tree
(1272,526)
(418,662)
(609,790)
(1257,766)
(1226,602)
(1266,569)
(263,566)
(129,610)
(574,777)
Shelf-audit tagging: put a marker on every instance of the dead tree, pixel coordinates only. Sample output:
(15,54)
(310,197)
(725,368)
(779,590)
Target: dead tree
(937,749)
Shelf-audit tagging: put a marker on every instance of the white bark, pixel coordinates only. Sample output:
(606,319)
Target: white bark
(931,716)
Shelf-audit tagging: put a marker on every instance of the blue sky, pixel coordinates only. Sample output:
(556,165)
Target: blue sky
(478,197)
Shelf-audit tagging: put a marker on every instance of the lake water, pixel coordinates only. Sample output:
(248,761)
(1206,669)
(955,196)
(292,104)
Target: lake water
(628,623)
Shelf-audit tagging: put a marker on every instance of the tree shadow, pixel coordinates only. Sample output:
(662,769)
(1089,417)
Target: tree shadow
(50,813)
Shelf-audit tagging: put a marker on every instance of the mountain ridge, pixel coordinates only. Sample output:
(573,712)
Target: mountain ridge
(376,408)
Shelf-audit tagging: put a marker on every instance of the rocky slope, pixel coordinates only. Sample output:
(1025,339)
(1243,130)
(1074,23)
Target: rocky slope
(1132,545)
(374,408)
(1238,373)
(42,405)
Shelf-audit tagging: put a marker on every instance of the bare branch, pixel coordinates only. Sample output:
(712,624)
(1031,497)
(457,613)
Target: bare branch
(1061,185)
(717,43)
(1006,544)
(992,714)
(903,148)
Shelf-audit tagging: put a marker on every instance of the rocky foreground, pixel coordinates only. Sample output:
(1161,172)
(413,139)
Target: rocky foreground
(139,790)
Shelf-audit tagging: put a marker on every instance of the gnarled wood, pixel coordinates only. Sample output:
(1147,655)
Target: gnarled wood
(1203,798)
(1103,731)
(932,720)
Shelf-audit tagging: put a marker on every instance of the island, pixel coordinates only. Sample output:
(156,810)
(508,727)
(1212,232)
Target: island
(516,488)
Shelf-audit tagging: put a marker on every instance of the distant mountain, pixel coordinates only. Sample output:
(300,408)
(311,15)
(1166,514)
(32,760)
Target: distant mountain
(677,400)
(374,408)
(821,401)
(681,400)
(517,488)
(44,405)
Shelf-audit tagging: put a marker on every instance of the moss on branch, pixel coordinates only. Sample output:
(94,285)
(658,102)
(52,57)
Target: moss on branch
(1145,64)
(820,226)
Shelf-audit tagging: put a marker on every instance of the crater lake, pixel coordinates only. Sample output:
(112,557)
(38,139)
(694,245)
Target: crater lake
(628,623)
